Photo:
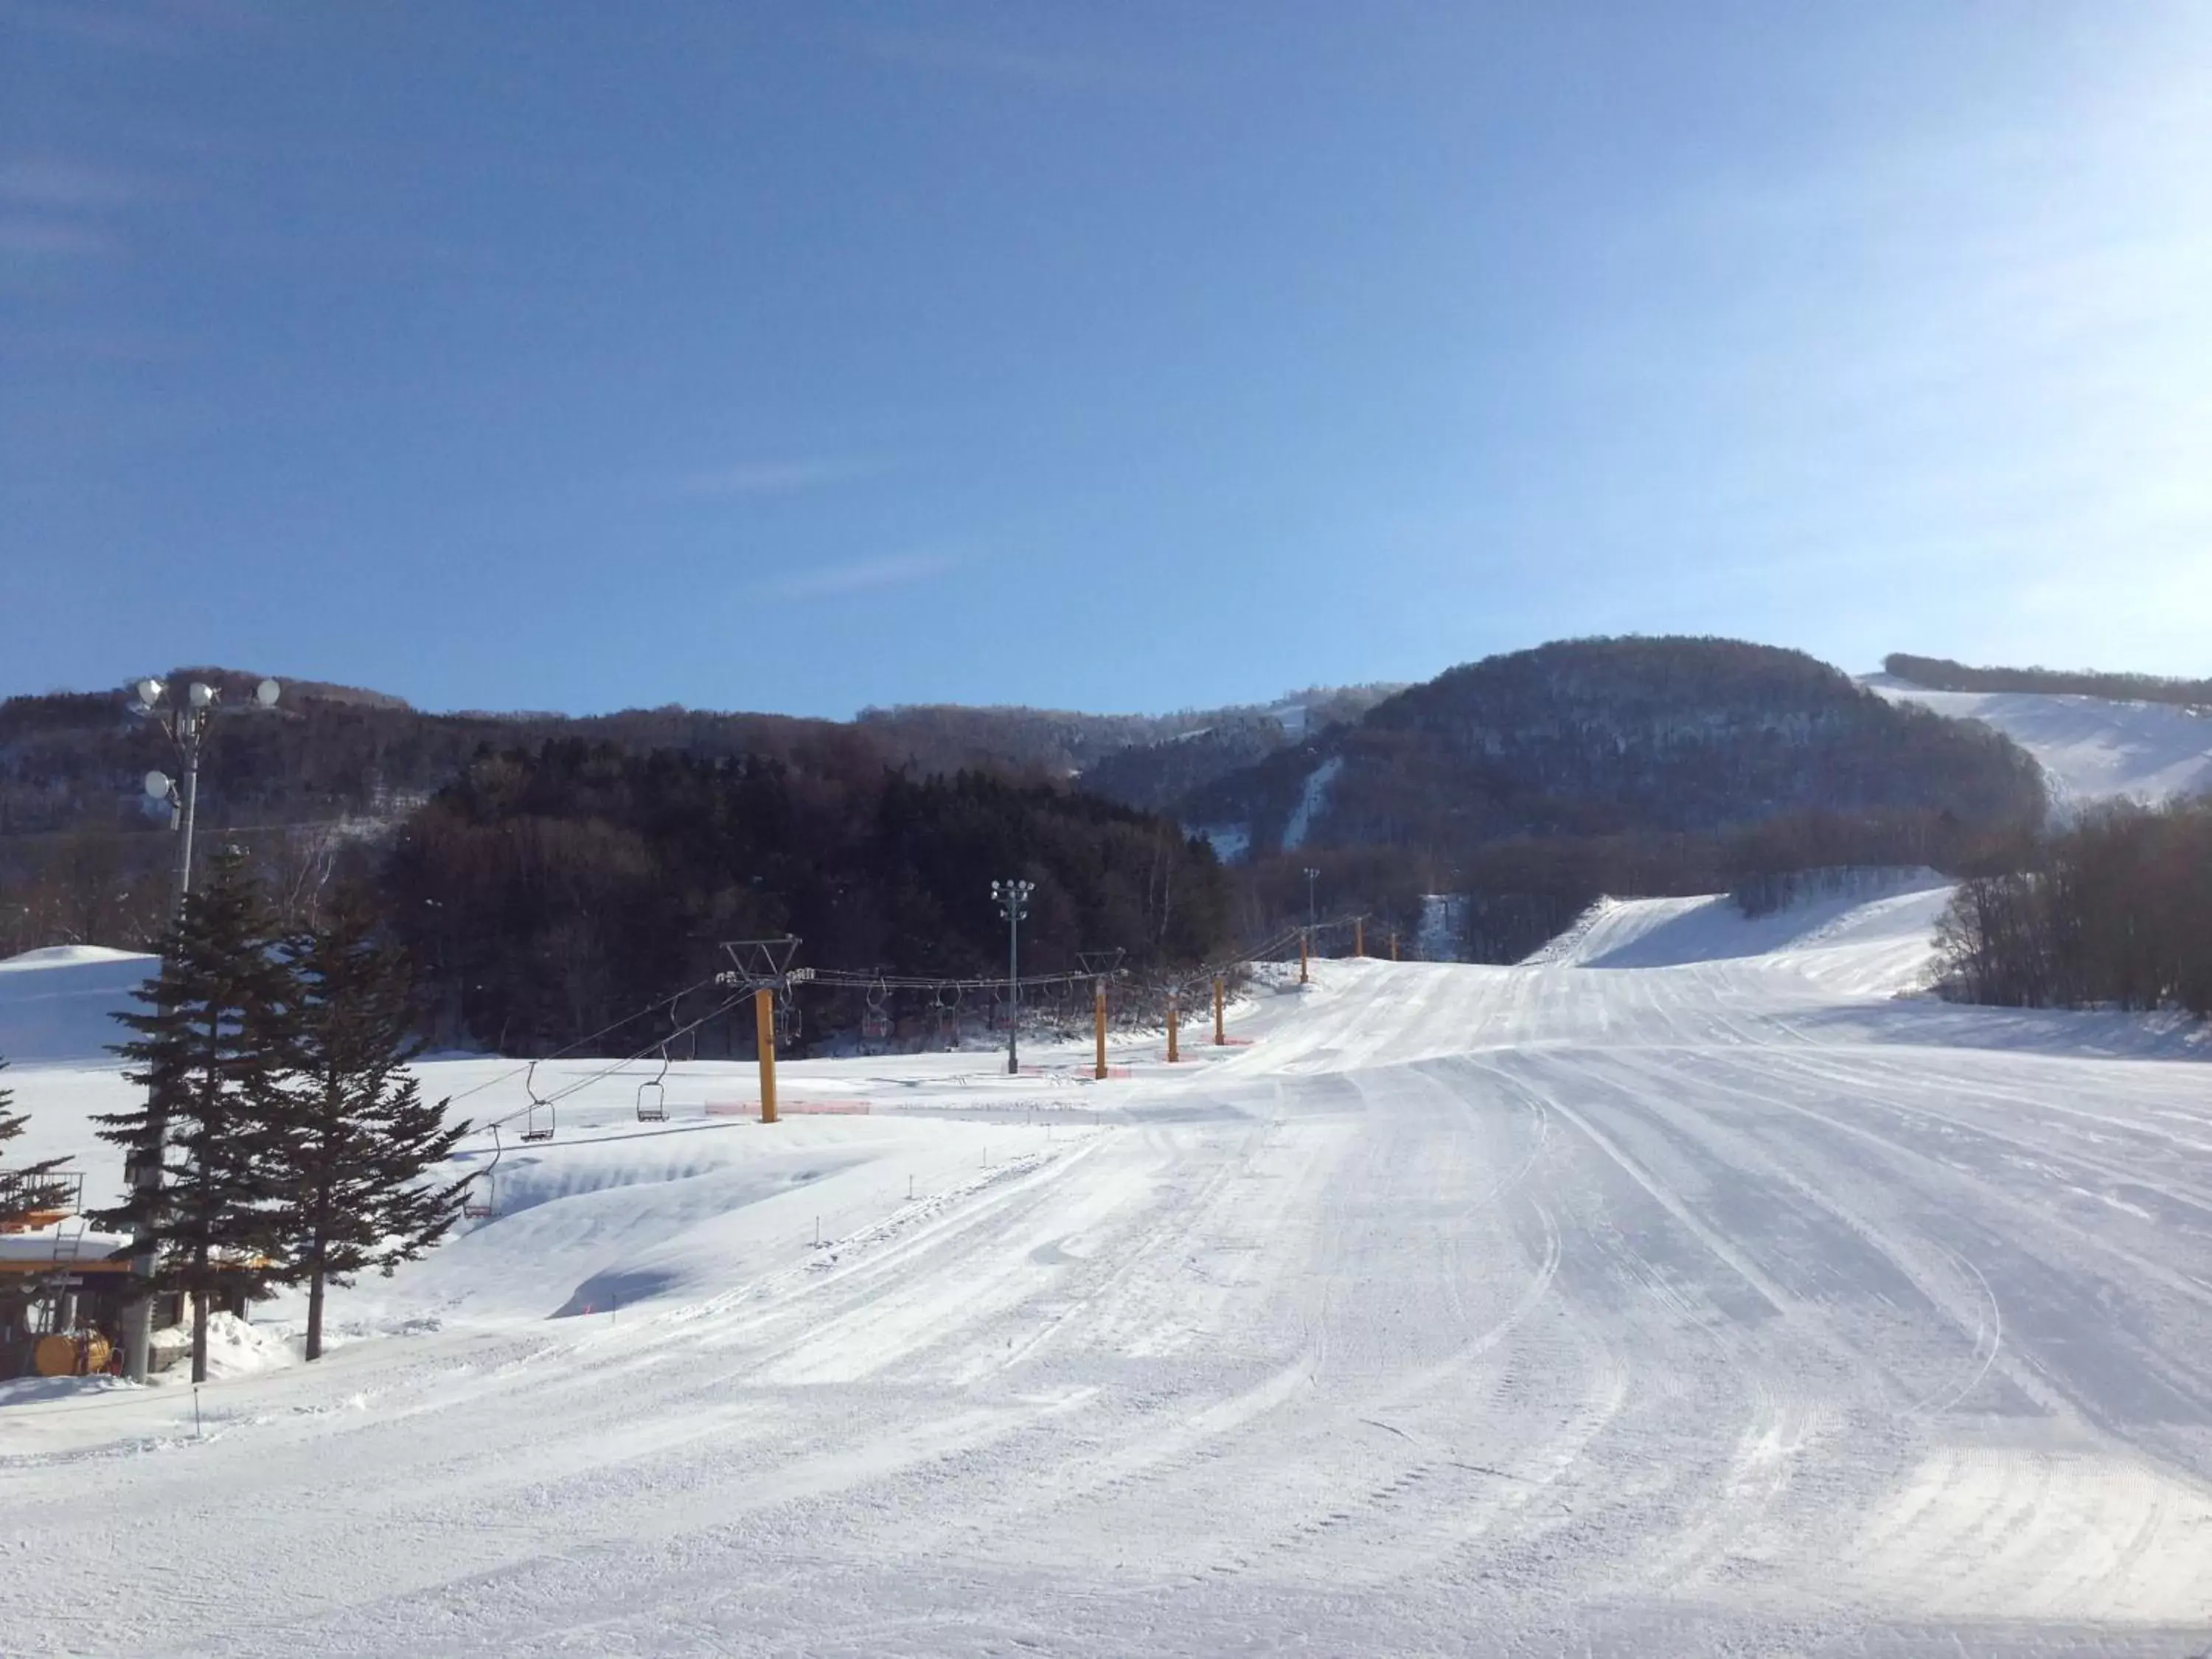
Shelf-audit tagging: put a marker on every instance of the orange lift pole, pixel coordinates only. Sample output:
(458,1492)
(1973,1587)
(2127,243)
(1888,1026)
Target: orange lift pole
(764,1026)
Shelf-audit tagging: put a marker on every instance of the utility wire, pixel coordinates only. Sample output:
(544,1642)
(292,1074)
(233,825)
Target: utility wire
(617,1025)
(604,1072)
(847,978)
(843,979)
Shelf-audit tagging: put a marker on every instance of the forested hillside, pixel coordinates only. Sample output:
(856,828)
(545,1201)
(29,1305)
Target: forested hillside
(1143,759)
(1160,775)
(931,738)
(611,850)
(546,893)
(1534,781)
(323,779)
(1941,674)
(85,858)
(75,759)
(2115,911)
(1602,737)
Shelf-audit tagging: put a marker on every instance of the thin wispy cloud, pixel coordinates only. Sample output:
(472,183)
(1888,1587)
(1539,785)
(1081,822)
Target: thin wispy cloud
(169,27)
(1017,65)
(770,478)
(55,211)
(863,575)
(26,237)
(95,344)
(103,27)
(45,181)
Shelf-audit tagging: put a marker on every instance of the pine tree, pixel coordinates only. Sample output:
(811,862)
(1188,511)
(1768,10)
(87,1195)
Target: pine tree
(211,1051)
(23,1192)
(357,1137)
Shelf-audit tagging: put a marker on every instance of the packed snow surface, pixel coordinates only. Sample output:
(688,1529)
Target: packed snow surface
(1692,1292)
(55,1005)
(2091,749)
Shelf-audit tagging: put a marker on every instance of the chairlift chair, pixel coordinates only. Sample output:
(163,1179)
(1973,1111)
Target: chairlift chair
(533,1129)
(876,1020)
(652,1097)
(481,1201)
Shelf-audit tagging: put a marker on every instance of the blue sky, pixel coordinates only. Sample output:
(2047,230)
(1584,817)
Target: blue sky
(1115,356)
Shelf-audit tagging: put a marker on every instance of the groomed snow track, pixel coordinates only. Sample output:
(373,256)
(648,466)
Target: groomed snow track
(1699,1309)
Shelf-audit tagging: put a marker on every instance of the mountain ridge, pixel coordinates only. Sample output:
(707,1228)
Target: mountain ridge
(1671,734)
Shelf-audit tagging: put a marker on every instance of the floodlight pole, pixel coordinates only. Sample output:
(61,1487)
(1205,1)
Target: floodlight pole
(185,725)
(1014,898)
(186,729)
(1313,913)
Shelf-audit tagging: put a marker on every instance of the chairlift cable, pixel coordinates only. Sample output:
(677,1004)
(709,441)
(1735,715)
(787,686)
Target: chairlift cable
(506,1077)
(590,1077)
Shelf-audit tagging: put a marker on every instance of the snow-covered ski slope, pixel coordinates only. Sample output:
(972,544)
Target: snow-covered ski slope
(56,1005)
(2092,749)
(1692,1293)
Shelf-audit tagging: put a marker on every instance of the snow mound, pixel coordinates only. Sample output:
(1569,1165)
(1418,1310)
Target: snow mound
(67,956)
(58,1006)
(234,1347)
(613,1214)
(2091,749)
(1859,941)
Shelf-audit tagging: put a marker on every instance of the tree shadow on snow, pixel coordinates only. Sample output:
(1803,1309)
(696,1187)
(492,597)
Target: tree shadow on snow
(2060,1033)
